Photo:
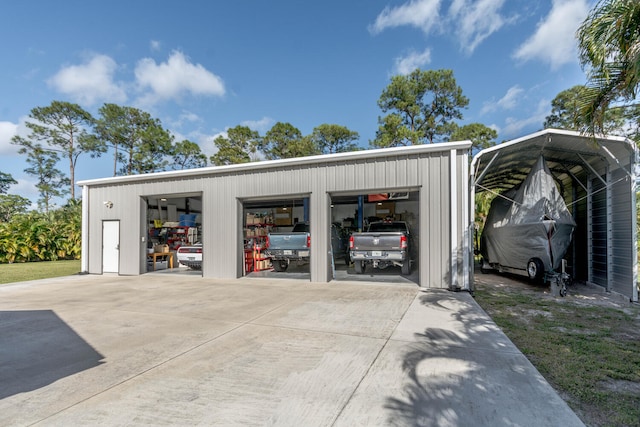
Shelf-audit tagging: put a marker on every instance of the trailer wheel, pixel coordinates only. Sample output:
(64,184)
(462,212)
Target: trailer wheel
(359,266)
(483,269)
(535,270)
(280,265)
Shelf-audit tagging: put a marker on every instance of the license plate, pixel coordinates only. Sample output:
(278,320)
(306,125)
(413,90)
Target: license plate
(287,252)
(303,253)
(376,253)
(191,258)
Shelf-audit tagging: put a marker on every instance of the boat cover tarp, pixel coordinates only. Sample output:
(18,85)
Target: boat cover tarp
(530,221)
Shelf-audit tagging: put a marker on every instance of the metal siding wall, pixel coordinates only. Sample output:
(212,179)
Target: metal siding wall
(222,217)
(219,228)
(319,219)
(125,209)
(580,241)
(623,213)
(435,203)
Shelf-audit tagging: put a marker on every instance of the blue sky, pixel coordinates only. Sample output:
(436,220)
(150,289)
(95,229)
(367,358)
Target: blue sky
(202,67)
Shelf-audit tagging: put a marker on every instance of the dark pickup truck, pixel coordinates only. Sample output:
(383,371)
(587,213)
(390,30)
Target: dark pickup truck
(384,244)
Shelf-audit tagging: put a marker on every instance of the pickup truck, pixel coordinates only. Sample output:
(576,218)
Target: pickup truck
(285,247)
(384,244)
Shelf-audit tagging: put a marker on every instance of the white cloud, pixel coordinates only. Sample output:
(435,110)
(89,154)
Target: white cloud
(554,41)
(26,187)
(510,99)
(155,45)
(422,14)
(188,116)
(475,20)
(7,131)
(262,125)
(90,82)
(514,127)
(171,79)
(470,21)
(405,65)
(508,102)
(184,118)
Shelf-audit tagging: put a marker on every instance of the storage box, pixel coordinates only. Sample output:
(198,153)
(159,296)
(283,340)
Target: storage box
(263,264)
(385,209)
(188,220)
(283,216)
(161,248)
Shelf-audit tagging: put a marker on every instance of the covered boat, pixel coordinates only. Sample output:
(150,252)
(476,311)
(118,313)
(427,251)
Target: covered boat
(529,228)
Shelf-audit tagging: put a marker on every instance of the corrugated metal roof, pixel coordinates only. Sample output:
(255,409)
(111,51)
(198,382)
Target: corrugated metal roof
(283,163)
(568,154)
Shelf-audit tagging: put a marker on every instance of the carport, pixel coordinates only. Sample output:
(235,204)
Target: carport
(597,178)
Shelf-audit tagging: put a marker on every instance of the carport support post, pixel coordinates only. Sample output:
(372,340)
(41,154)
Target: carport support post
(609,200)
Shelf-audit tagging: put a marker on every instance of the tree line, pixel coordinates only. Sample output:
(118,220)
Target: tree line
(421,107)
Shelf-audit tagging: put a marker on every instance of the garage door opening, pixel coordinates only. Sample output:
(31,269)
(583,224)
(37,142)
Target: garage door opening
(353,213)
(276,238)
(173,229)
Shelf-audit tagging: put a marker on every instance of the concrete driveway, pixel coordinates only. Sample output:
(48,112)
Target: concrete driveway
(166,349)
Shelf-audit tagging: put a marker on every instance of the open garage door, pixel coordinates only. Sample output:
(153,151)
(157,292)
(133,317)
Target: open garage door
(276,238)
(353,213)
(173,226)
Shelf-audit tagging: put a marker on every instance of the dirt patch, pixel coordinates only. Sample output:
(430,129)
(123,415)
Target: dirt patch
(577,293)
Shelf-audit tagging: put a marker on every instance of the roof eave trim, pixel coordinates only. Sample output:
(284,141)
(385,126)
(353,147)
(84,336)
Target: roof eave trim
(516,141)
(298,161)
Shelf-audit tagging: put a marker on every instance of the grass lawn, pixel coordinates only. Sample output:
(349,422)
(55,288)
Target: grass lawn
(589,352)
(20,272)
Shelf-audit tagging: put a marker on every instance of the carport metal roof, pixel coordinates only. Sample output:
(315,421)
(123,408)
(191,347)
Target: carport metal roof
(568,154)
(590,164)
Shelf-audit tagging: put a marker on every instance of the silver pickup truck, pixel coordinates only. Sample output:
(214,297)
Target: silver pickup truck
(384,244)
(285,247)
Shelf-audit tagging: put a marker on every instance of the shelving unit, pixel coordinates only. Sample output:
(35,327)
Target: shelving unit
(257,227)
(174,236)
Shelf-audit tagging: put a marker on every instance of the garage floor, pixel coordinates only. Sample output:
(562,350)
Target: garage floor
(166,349)
(344,273)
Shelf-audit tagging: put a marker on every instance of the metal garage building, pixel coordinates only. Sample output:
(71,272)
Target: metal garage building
(115,209)
(597,178)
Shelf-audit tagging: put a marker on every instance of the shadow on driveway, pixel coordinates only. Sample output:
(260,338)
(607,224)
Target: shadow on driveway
(38,348)
(463,371)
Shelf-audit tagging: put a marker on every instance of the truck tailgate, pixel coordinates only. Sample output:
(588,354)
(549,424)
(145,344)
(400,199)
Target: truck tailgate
(287,241)
(374,241)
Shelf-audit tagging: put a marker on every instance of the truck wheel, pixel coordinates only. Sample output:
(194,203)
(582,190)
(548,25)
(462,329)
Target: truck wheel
(535,270)
(280,265)
(406,268)
(359,266)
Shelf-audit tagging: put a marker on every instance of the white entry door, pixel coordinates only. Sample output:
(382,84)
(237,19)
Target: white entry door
(110,246)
